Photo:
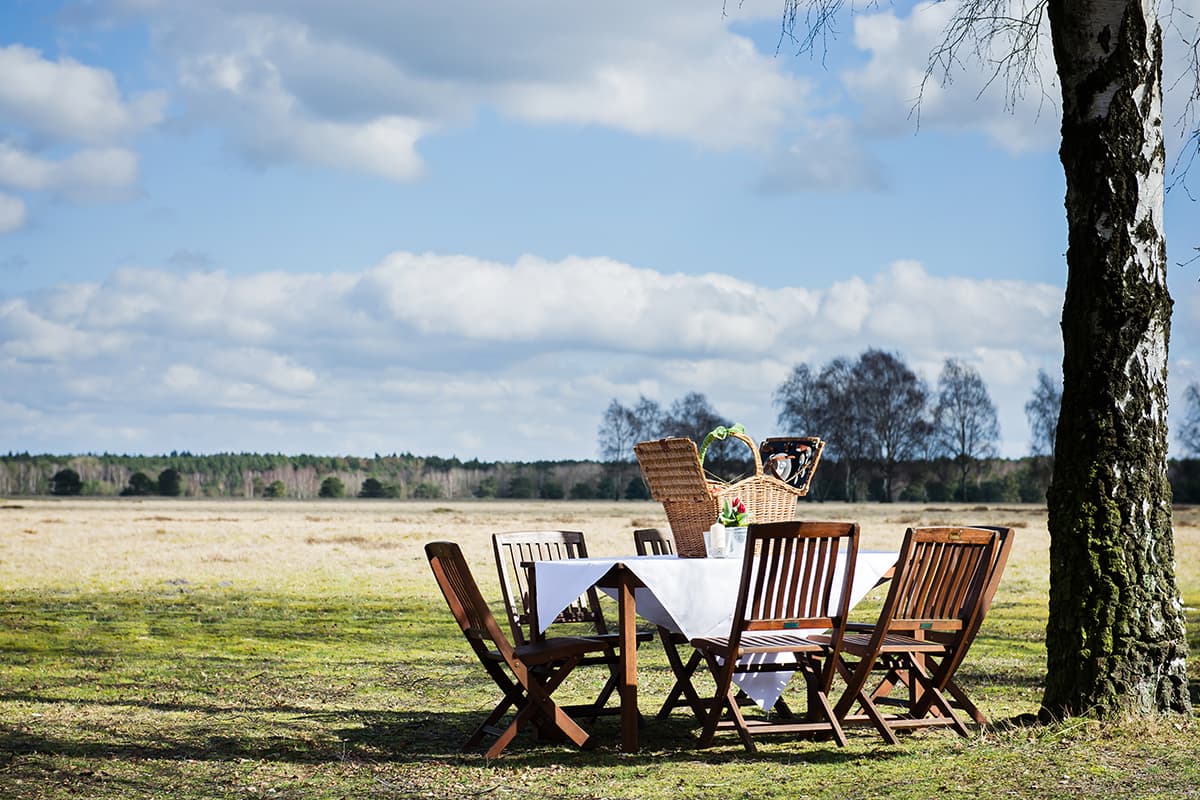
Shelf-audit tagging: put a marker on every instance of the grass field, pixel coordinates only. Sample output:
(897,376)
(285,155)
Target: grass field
(213,649)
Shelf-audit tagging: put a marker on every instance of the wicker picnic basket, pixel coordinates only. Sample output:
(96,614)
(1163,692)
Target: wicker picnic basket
(692,500)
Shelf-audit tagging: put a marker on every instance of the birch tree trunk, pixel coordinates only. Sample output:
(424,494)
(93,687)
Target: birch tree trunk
(1115,639)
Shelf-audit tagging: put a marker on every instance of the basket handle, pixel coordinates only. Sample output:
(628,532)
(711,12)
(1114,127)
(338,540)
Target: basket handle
(738,432)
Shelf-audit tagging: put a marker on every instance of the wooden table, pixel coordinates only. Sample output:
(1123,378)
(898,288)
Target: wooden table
(689,595)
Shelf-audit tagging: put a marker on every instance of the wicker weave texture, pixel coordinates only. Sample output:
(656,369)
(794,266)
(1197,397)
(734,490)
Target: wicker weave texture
(692,500)
(673,473)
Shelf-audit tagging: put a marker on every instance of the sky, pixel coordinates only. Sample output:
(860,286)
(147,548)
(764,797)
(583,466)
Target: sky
(463,228)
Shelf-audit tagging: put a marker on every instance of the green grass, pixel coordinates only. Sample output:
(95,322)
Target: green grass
(181,690)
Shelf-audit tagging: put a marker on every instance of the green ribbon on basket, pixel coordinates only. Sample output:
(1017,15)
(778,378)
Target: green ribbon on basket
(718,433)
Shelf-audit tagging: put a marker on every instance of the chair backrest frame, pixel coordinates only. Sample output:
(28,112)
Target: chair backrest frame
(514,551)
(653,542)
(467,604)
(790,578)
(940,577)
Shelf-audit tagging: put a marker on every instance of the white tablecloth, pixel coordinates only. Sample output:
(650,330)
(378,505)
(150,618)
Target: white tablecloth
(693,596)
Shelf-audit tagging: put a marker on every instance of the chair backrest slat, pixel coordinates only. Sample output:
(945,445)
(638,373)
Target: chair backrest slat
(827,552)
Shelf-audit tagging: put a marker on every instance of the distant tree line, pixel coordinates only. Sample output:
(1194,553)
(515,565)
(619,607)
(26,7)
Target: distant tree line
(889,435)
(403,476)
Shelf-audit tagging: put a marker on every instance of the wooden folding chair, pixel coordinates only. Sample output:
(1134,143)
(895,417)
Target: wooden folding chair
(655,541)
(527,674)
(882,692)
(796,579)
(929,618)
(515,551)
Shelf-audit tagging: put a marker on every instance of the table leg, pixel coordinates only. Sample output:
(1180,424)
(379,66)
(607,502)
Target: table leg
(629,704)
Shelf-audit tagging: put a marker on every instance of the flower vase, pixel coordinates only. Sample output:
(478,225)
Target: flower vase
(735,542)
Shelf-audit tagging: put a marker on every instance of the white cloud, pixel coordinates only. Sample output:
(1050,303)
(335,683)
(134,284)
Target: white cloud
(578,300)
(68,101)
(28,335)
(248,87)
(358,87)
(53,106)
(827,155)
(182,378)
(716,89)
(12,213)
(276,372)
(87,173)
(451,352)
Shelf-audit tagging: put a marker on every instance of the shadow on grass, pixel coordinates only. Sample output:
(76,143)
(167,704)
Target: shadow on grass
(405,736)
(380,737)
(171,707)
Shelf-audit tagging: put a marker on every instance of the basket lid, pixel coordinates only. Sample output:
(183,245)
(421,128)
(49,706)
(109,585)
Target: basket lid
(672,469)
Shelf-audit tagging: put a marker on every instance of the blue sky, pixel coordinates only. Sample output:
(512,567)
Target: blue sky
(463,228)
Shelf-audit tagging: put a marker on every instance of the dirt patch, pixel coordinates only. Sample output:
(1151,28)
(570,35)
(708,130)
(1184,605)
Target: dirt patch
(354,541)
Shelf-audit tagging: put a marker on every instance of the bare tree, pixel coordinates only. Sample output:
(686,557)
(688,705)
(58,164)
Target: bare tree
(616,435)
(648,419)
(692,416)
(870,410)
(1189,431)
(796,398)
(892,407)
(1042,412)
(965,425)
(1115,637)
(824,404)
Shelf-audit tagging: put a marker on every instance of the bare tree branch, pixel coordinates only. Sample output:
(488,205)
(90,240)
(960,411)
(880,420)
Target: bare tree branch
(816,21)
(1184,26)
(1004,37)
(977,31)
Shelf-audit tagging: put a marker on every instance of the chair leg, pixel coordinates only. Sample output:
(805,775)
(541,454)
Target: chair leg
(725,699)
(818,699)
(783,709)
(925,700)
(488,725)
(721,698)
(683,691)
(965,704)
(540,709)
(743,729)
(613,684)
(890,681)
(877,719)
(931,699)
(514,695)
(856,676)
